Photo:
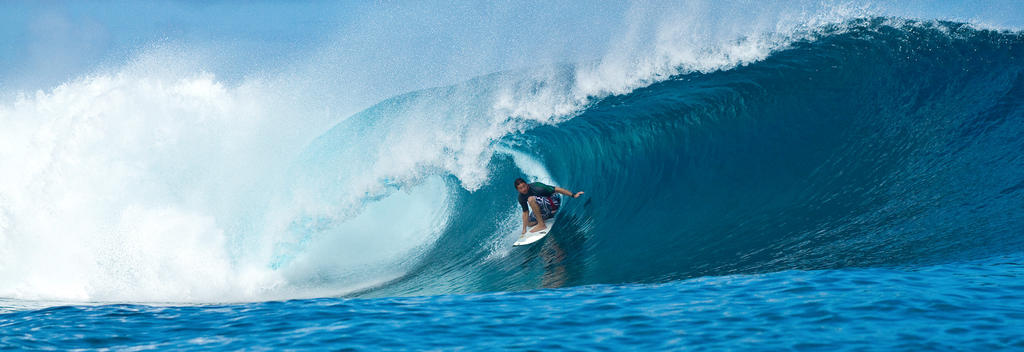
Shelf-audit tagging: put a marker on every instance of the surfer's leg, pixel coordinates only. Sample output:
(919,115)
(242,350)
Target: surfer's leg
(546,207)
(532,201)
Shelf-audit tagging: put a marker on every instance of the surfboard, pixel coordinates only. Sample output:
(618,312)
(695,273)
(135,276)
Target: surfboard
(531,237)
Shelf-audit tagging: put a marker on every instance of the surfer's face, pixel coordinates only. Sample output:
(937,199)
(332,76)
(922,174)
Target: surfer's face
(522,187)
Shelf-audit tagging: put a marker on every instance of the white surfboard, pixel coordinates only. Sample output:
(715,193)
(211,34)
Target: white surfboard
(531,237)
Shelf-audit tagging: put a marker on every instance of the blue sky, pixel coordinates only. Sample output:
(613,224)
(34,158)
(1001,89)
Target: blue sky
(401,45)
(45,43)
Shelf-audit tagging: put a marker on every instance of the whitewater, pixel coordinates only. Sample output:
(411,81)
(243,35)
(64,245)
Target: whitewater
(758,175)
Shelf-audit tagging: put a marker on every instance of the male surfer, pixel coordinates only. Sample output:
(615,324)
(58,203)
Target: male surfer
(541,198)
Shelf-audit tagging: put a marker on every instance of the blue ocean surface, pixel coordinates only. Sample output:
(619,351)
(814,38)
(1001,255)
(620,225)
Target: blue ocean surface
(959,306)
(805,176)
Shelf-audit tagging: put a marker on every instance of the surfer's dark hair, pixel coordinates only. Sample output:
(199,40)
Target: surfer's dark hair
(520,180)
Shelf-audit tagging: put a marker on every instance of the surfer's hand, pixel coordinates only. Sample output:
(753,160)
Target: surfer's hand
(578,194)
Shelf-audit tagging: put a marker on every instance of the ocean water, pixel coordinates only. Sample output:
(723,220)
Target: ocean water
(966,305)
(815,176)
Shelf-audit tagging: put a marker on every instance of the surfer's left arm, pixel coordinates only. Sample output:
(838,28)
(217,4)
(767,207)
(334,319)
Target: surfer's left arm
(568,193)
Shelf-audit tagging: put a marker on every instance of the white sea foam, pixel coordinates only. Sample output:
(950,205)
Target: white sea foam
(113,185)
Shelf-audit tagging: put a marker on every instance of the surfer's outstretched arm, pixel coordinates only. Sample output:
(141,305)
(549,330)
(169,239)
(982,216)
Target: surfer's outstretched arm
(568,193)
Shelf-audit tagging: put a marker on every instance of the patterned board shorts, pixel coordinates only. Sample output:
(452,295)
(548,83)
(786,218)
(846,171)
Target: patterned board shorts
(548,206)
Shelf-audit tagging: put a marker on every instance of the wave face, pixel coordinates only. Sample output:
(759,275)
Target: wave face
(873,143)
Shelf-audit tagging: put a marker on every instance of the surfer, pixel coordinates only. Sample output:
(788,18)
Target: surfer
(542,200)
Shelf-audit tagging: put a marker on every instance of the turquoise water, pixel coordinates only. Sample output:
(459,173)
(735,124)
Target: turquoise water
(770,176)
